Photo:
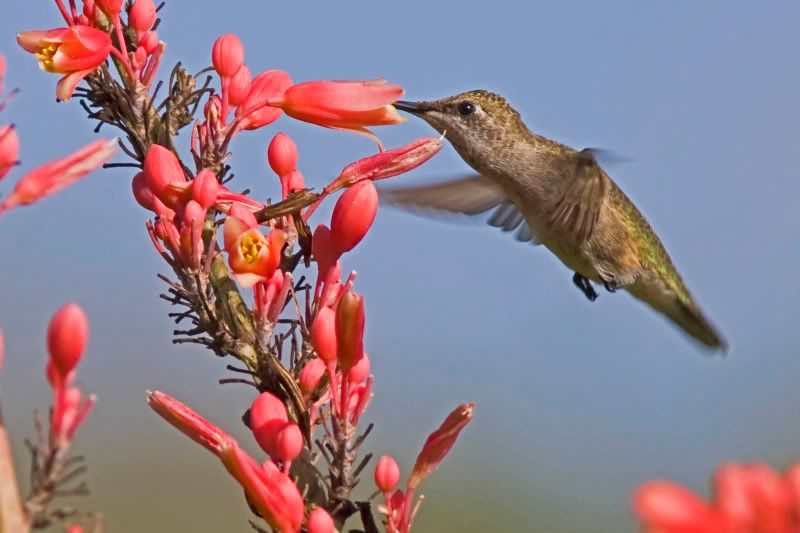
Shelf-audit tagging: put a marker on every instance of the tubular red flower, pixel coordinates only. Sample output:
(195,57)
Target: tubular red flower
(185,420)
(389,163)
(75,51)
(323,335)
(360,371)
(109,7)
(288,442)
(347,105)
(55,175)
(142,15)
(205,188)
(282,154)
(149,41)
(251,256)
(353,216)
(350,330)
(9,148)
(165,177)
(439,444)
(227,55)
(67,334)
(387,474)
(319,521)
(254,112)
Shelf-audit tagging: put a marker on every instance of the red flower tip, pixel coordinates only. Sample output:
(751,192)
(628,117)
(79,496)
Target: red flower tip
(319,521)
(142,16)
(387,474)
(205,188)
(267,417)
(439,444)
(282,154)
(9,147)
(239,86)
(310,376)
(227,55)
(323,335)
(67,334)
(353,216)
(350,330)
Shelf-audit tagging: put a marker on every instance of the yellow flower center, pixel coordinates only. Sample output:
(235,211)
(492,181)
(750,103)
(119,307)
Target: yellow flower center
(250,247)
(45,57)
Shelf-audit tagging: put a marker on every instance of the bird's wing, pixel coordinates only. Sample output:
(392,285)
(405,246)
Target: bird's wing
(577,210)
(469,196)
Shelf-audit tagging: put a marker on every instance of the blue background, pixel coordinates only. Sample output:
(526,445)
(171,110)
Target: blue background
(577,403)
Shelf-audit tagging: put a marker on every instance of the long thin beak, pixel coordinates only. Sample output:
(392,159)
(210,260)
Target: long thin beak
(415,108)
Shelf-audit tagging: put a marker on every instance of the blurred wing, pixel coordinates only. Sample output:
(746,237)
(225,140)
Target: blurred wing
(468,196)
(578,209)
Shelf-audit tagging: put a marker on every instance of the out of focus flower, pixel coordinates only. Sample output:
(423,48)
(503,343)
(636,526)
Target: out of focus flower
(142,16)
(345,105)
(75,51)
(67,334)
(439,444)
(319,521)
(273,431)
(747,499)
(387,474)
(227,55)
(323,335)
(271,492)
(109,7)
(55,175)
(310,377)
(353,215)
(9,149)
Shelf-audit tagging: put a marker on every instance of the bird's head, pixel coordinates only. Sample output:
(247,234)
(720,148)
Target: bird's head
(474,121)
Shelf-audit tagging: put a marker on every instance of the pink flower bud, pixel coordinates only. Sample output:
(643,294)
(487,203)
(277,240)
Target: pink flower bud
(323,335)
(387,474)
(353,215)
(239,86)
(9,149)
(439,444)
(140,56)
(267,417)
(66,337)
(288,442)
(205,188)
(149,41)
(321,248)
(109,7)
(350,330)
(310,376)
(319,521)
(360,371)
(254,111)
(162,169)
(142,15)
(282,154)
(227,55)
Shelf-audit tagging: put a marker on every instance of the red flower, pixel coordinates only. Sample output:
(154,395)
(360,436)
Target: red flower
(251,256)
(387,474)
(227,55)
(67,334)
(9,149)
(353,216)
(345,105)
(55,175)
(254,112)
(75,51)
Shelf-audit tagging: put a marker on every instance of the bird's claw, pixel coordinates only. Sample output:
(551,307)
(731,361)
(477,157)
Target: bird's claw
(611,286)
(585,286)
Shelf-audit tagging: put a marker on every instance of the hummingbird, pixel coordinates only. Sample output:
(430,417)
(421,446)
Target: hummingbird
(550,194)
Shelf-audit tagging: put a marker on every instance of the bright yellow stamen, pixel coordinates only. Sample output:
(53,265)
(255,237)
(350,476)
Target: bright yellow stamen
(45,57)
(250,247)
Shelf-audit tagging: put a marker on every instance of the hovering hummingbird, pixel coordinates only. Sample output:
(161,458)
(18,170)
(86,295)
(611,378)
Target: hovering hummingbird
(553,195)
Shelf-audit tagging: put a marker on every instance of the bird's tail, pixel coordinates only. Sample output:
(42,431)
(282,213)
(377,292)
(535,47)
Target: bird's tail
(687,315)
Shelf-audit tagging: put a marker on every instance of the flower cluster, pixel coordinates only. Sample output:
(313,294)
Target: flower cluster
(747,499)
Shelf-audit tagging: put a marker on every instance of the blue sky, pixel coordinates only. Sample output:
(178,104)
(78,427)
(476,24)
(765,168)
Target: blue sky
(577,402)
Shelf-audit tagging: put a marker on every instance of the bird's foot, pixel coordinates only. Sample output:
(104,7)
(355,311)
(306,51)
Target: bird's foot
(611,286)
(585,286)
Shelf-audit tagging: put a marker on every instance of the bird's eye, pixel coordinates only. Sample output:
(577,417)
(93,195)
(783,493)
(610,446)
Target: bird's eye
(466,108)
